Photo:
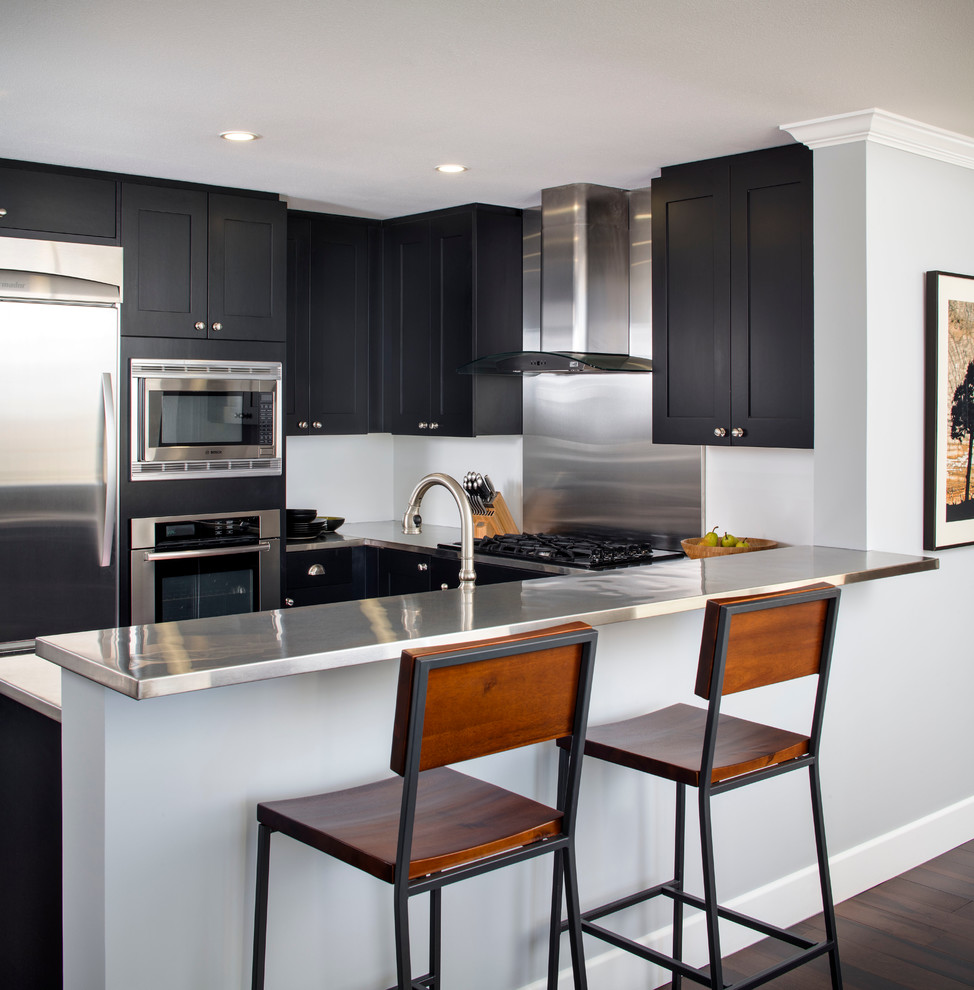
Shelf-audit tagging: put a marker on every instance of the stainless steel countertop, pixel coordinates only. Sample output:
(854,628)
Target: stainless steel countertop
(33,682)
(149,661)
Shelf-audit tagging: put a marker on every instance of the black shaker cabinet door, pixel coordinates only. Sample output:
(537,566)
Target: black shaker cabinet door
(247,268)
(164,234)
(691,331)
(407,331)
(771,299)
(329,279)
(451,331)
(297,373)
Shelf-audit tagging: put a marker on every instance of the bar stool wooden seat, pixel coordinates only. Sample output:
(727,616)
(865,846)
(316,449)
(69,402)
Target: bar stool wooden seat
(431,825)
(747,642)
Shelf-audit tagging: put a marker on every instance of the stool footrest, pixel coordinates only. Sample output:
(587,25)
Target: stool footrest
(809,948)
(629,901)
(669,890)
(418,983)
(645,952)
(764,927)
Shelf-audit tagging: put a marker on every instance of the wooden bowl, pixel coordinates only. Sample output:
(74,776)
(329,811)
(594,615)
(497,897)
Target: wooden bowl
(695,548)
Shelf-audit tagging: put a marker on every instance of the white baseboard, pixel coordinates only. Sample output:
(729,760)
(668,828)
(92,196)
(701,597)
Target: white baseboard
(786,901)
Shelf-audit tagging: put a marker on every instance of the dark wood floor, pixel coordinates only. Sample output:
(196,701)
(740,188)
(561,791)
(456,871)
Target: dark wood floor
(914,932)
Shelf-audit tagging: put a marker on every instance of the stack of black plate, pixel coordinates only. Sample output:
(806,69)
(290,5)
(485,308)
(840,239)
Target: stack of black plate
(303,524)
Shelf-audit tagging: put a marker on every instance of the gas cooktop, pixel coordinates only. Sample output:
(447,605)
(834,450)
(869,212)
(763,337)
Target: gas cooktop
(570,550)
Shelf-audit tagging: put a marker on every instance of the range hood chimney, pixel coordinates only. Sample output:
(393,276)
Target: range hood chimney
(584,288)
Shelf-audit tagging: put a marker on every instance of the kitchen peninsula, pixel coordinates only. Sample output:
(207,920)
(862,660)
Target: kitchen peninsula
(159,794)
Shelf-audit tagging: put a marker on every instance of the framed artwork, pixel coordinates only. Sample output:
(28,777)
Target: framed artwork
(949,422)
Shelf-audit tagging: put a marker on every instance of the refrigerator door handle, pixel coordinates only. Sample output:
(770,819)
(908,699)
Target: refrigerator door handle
(110,468)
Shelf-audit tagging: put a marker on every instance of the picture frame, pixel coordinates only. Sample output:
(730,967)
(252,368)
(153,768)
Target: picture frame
(949,411)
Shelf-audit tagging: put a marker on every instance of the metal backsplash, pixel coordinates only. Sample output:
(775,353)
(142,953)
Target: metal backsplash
(589,460)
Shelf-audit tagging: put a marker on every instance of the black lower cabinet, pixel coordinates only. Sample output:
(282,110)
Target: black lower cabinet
(402,572)
(319,577)
(30,849)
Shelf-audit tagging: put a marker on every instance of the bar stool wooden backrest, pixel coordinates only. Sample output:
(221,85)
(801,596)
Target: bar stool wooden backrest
(748,642)
(459,704)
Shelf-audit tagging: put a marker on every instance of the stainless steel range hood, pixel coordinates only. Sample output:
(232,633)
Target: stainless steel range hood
(584,288)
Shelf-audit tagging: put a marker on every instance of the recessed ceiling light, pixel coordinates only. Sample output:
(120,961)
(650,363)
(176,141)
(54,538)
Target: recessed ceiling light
(451,168)
(239,136)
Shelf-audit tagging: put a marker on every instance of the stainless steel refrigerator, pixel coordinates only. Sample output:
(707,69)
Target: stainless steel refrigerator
(59,340)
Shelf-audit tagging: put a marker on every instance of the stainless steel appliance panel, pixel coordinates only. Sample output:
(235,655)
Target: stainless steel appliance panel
(186,582)
(58,485)
(590,464)
(197,419)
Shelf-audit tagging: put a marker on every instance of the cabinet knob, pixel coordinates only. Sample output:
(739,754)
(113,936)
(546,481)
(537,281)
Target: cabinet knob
(422,426)
(434,426)
(444,586)
(217,327)
(315,570)
(422,567)
(737,432)
(719,431)
(3,212)
(303,424)
(316,425)
(200,326)
(288,602)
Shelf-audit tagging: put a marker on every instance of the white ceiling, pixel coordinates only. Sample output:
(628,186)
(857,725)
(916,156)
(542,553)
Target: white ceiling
(358,100)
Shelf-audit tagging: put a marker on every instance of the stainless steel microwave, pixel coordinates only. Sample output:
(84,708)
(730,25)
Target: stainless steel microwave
(199,419)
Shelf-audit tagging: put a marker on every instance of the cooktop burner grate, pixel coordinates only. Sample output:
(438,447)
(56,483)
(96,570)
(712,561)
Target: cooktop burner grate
(575,550)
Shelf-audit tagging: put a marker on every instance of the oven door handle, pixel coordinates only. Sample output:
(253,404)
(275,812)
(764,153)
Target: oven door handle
(151,555)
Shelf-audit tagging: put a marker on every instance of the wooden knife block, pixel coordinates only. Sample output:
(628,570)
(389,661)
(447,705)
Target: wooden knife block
(495,520)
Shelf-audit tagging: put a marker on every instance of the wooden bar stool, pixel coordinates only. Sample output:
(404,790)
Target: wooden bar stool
(432,825)
(747,642)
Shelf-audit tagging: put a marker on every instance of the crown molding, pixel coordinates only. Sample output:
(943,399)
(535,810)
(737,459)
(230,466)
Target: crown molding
(883,127)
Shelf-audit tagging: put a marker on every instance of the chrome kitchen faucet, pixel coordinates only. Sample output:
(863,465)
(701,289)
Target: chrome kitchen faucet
(412,521)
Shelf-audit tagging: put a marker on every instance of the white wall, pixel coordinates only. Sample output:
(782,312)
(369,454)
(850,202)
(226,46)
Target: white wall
(341,476)
(759,492)
(902,678)
(367,478)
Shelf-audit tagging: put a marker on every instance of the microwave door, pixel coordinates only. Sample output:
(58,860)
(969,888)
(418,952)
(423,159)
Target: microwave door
(57,473)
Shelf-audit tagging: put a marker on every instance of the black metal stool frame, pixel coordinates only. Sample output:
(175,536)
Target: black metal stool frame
(562,845)
(708,904)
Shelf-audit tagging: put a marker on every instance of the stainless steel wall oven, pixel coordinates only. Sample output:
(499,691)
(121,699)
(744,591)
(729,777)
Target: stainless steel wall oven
(200,419)
(191,567)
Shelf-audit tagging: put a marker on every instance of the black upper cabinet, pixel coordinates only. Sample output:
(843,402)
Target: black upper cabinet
(451,292)
(732,301)
(330,276)
(203,264)
(57,205)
